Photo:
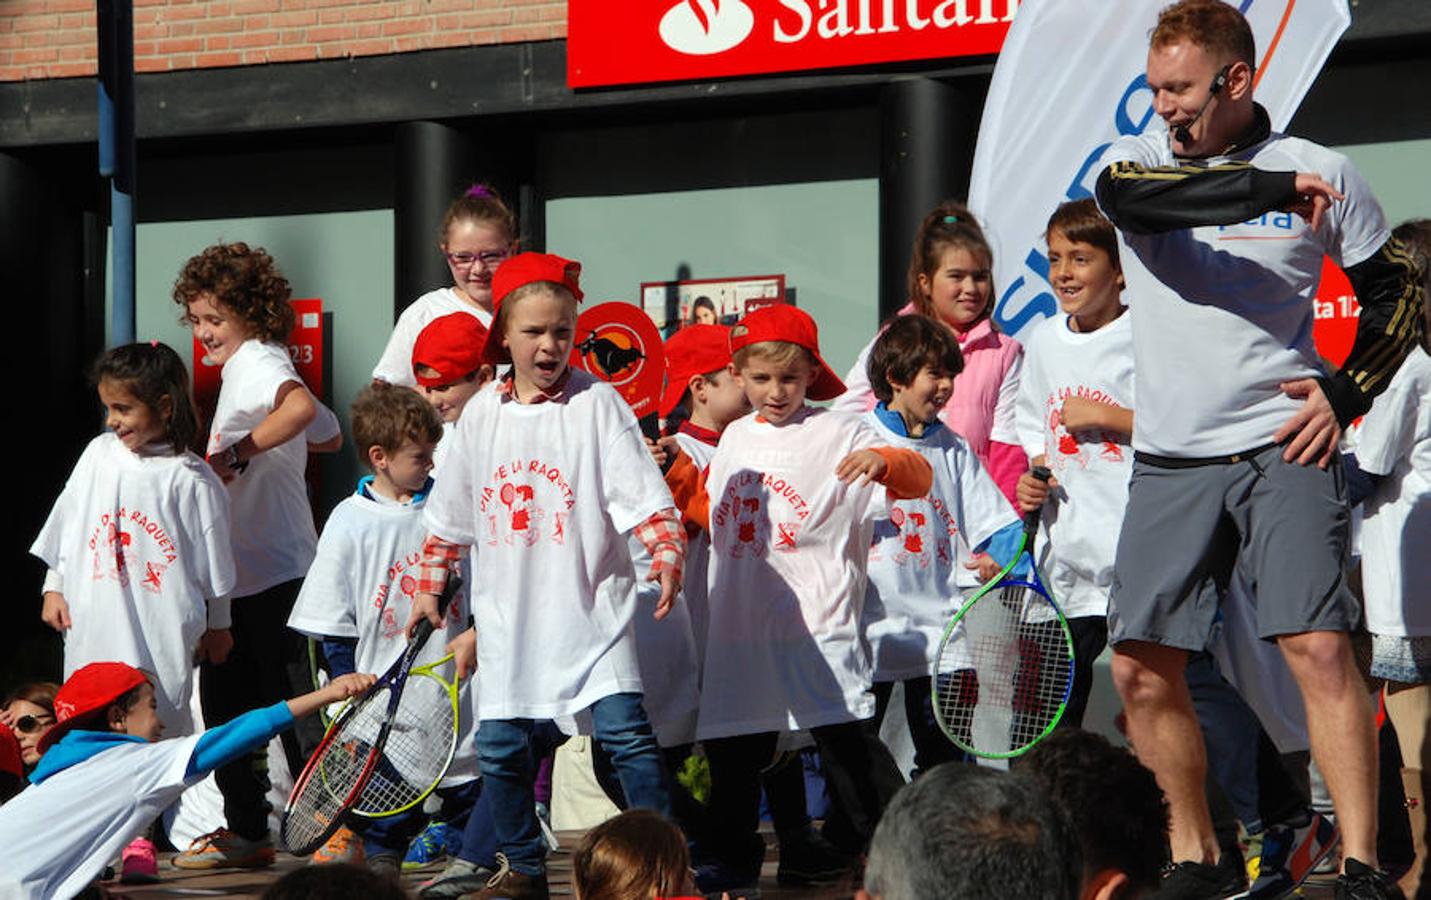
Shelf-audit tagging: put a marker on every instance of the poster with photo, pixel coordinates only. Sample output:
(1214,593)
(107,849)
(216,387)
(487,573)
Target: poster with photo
(672,304)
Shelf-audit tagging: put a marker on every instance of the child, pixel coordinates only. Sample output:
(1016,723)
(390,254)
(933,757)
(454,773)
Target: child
(105,774)
(138,543)
(923,556)
(638,854)
(951,282)
(1075,416)
(789,545)
(447,365)
(479,231)
(358,594)
(236,300)
(546,476)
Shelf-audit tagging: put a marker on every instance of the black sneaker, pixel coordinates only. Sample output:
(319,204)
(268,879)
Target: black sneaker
(1200,881)
(808,860)
(1360,881)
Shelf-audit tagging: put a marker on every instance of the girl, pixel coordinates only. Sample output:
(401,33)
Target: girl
(951,282)
(478,233)
(237,304)
(637,855)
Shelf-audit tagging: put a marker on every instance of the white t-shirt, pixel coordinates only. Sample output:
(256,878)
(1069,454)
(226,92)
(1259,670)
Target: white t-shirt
(1224,313)
(1395,442)
(694,587)
(666,652)
(546,493)
(361,586)
(789,546)
(1084,514)
(59,835)
(140,543)
(917,561)
(395,365)
(273,533)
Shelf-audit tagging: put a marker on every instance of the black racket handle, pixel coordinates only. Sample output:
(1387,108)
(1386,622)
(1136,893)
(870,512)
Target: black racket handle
(650,426)
(424,628)
(1031,518)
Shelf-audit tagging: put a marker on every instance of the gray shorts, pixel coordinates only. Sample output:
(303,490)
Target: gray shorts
(1284,526)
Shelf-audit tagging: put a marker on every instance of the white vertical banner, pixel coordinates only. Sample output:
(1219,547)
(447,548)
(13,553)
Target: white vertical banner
(1069,81)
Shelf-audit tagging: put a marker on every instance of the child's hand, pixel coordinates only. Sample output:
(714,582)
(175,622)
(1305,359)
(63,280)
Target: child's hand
(1033,492)
(1080,413)
(215,645)
(464,652)
(670,587)
(985,565)
(56,612)
(346,686)
(864,464)
(424,606)
(658,452)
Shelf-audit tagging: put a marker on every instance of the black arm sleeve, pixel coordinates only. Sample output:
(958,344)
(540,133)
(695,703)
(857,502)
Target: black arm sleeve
(1389,288)
(1143,200)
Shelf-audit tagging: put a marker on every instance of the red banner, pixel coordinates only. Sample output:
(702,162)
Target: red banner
(640,41)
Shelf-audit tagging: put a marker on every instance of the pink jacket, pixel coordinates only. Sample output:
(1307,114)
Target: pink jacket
(981,411)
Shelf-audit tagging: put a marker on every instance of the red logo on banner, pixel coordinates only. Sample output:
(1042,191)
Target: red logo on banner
(1337,310)
(677,40)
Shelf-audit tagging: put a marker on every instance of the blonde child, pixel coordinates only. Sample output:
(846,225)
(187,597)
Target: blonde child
(789,500)
(106,774)
(265,423)
(926,551)
(951,282)
(478,232)
(1075,416)
(547,475)
(448,369)
(138,543)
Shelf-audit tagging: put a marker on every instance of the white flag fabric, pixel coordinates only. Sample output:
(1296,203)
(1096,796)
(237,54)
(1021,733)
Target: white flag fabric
(1069,81)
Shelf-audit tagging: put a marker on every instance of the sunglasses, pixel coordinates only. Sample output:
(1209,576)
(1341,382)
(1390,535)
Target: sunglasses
(32,724)
(490,259)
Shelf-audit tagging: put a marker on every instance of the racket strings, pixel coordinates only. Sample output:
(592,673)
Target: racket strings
(333,774)
(418,749)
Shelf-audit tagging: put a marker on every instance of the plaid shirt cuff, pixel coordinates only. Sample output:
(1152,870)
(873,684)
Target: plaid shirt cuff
(665,539)
(438,557)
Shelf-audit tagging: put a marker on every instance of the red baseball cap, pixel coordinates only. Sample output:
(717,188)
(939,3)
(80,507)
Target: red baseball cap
(520,271)
(452,345)
(11,762)
(694,350)
(89,690)
(783,322)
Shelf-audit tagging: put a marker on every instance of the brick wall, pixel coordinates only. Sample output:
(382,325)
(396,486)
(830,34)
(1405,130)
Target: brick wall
(56,38)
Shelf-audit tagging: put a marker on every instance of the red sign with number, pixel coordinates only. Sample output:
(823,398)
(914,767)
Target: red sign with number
(305,345)
(641,41)
(1337,310)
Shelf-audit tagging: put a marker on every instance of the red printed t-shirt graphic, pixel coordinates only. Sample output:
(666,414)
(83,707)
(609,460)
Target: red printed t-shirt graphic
(527,501)
(747,503)
(115,553)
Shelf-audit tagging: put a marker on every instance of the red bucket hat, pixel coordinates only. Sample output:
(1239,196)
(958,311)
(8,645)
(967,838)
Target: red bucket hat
(452,345)
(89,690)
(783,322)
(694,350)
(520,271)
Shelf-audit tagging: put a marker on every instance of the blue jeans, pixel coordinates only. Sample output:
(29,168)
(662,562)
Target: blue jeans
(507,750)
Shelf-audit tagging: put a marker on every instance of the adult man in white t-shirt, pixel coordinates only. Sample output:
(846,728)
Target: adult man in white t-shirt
(1225,225)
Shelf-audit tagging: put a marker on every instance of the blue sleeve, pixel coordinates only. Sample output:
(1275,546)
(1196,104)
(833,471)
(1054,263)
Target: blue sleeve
(1360,483)
(341,654)
(227,742)
(1003,544)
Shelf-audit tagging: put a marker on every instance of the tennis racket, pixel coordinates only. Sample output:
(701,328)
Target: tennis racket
(1004,669)
(355,748)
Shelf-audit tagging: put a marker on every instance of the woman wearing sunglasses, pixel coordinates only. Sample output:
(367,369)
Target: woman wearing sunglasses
(29,710)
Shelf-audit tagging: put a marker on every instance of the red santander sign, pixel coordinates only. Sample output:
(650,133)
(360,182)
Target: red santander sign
(679,40)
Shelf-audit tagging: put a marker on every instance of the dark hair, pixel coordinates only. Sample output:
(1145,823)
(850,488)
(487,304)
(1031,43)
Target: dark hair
(638,854)
(1215,26)
(909,344)
(1082,223)
(385,415)
(950,224)
(40,693)
(480,203)
(151,372)
(244,280)
(960,829)
(1114,802)
(338,881)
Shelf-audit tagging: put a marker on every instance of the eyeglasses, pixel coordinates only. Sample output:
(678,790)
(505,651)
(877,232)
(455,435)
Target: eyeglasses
(490,259)
(32,724)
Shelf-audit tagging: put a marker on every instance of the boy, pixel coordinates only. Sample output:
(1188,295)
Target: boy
(447,363)
(1075,416)
(789,545)
(546,476)
(357,596)
(106,775)
(924,551)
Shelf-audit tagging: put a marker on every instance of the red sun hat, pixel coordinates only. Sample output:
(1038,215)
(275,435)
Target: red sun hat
(452,345)
(520,271)
(694,350)
(783,322)
(89,690)
(11,762)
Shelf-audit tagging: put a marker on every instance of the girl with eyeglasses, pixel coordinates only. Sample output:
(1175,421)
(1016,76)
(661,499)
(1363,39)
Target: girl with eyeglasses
(479,231)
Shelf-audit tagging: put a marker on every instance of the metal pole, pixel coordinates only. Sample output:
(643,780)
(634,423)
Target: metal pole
(117,153)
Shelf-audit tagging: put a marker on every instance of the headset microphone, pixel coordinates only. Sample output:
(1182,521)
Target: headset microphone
(1183,132)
